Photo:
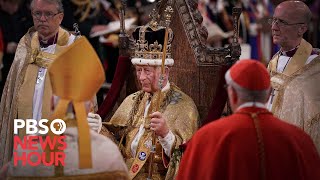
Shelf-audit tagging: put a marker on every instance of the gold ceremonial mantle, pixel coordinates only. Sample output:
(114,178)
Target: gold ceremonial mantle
(177,108)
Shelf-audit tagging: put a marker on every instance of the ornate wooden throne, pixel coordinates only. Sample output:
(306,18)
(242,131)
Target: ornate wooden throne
(199,70)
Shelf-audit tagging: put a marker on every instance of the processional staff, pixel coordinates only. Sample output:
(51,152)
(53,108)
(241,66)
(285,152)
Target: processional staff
(168,11)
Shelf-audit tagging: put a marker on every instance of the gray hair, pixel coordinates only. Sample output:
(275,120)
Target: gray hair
(250,96)
(56,2)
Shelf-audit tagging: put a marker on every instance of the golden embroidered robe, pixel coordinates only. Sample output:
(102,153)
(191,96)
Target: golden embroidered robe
(297,98)
(182,117)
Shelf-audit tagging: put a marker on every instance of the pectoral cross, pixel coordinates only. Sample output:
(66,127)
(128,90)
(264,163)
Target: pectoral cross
(272,95)
(40,76)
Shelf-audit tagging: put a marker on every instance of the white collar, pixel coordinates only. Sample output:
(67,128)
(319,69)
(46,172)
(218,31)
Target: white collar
(252,104)
(166,87)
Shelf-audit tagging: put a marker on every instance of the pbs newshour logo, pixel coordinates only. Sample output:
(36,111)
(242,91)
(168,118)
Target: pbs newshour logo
(35,143)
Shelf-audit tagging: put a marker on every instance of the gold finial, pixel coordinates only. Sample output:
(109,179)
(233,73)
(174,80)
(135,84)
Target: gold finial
(76,29)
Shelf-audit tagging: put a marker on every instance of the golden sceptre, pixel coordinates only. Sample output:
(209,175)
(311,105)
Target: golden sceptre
(168,12)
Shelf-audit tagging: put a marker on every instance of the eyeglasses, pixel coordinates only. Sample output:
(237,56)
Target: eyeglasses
(47,15)
(281,22)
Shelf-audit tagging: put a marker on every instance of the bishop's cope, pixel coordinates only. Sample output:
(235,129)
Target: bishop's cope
(28,93)
(294,70)
(150,124)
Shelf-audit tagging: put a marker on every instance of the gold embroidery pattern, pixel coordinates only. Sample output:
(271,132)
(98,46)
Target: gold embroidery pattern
(179,110)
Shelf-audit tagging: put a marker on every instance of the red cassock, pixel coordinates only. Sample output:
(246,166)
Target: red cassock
(228,149)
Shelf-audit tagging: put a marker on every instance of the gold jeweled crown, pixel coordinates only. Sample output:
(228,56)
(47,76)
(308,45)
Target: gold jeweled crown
(149,41)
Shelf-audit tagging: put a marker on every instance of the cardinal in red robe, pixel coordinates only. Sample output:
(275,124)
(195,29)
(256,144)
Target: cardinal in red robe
(251,143)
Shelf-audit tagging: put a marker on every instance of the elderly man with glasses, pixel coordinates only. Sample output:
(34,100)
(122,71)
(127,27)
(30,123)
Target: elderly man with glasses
(27,93)
(295,70)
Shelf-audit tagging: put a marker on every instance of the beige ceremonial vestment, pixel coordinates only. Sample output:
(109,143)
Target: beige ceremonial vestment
(19,92)
(76,74)
(182,116)
(296,95)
